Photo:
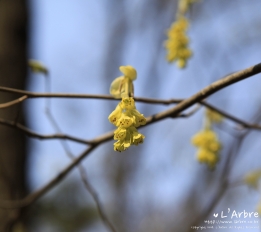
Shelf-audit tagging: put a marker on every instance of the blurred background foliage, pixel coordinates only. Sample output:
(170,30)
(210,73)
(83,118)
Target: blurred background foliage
(158,186)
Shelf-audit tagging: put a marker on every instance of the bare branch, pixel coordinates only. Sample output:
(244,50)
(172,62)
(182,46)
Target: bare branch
(207,91)
(96,199)
(193,111)
(183,104)
(83,175)
(233,118)
(31,198)
(84,96)
(14,102)
(31,133)
(222,83)
(196,98)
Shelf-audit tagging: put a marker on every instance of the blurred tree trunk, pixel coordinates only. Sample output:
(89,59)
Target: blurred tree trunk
(13,59)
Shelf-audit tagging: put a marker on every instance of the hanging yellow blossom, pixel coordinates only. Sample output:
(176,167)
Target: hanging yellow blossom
(208,147)
(125,116)
(177,43)
(207,140)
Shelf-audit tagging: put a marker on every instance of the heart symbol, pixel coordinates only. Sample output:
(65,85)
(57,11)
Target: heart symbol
(215,215)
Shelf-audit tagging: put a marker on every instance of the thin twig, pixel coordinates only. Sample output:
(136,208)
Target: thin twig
(108,97)
(186,115)
(31,133)
(84,96)
(233,118)
(83,174)
(31,198)
(229,80)
(207,91)
(14,102)
(96,199)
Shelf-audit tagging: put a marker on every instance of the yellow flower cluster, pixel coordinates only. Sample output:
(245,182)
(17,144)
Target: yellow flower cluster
(209,146)
(207,141)
(177,43)
(125,116)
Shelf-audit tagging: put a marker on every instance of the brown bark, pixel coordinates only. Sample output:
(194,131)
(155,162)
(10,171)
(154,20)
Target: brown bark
(13,58)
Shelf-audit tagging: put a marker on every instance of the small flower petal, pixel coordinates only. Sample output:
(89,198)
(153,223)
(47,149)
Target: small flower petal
(139,118)
(116,87)
(118,146)
(124,121)
(129,72)
(127,103)
(120,134)
(115,115)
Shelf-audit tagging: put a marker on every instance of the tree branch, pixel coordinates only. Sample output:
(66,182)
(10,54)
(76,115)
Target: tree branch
(84,96)
(14,102)
(207,91)
(31,133)
(233,118)
(83,175)
(31,198)
(190,113)
(196,98)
